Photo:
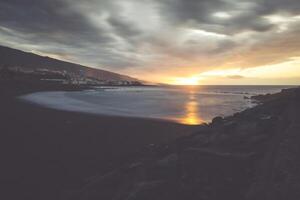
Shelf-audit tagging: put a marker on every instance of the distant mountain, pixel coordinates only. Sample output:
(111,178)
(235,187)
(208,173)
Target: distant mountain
(28,61)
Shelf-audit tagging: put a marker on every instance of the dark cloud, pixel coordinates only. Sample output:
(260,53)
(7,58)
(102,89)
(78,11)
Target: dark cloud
(274,6)
(54,28)
(48,20)
(122,27)
(185,10)
(235,77)
(125,34)
(242,15)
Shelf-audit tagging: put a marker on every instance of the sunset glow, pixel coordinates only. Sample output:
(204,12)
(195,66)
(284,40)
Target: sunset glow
(286,72)
(150,99)
(186,81)
(179,42)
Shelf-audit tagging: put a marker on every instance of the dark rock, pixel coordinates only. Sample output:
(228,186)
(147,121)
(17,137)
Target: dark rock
(217,121)
(251,154)
(149,191)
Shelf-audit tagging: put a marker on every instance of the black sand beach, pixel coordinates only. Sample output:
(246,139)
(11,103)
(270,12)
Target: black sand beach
(46,154)
(149,100)
(51,154)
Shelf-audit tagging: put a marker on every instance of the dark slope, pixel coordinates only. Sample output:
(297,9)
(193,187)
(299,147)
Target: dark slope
(28,61)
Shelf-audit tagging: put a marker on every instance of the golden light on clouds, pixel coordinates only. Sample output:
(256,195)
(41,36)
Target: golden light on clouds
(187,42)
(186,81)
(283,73)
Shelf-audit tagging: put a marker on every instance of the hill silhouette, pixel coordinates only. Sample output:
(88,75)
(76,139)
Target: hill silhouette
(28,61)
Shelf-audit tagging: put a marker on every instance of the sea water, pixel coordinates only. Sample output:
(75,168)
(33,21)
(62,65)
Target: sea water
(190,105)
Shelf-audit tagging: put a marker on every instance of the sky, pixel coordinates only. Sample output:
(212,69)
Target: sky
(167,41)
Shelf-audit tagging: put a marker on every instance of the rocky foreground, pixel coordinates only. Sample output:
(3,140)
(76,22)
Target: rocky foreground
(252,155)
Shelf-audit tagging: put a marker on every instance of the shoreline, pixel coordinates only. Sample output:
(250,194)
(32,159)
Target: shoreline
(20,98)
(236,157)
(46,153)
(60,100)
(53,154)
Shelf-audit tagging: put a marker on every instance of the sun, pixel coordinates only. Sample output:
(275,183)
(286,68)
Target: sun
(186,81)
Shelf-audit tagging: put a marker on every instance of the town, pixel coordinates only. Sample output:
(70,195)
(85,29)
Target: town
(61,77)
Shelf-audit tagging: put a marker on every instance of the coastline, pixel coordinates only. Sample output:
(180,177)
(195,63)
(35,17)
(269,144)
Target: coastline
(237,157)
(88,101)
(53,154)
(46,153)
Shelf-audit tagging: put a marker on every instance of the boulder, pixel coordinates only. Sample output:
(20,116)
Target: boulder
(217,121)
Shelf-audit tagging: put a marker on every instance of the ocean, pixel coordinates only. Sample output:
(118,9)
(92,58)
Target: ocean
(191,105)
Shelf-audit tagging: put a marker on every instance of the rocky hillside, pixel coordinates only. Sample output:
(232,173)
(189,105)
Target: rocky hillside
(29,61)
(252,155)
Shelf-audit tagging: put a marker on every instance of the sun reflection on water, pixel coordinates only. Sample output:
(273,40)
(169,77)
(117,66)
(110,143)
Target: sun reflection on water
(191,116)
